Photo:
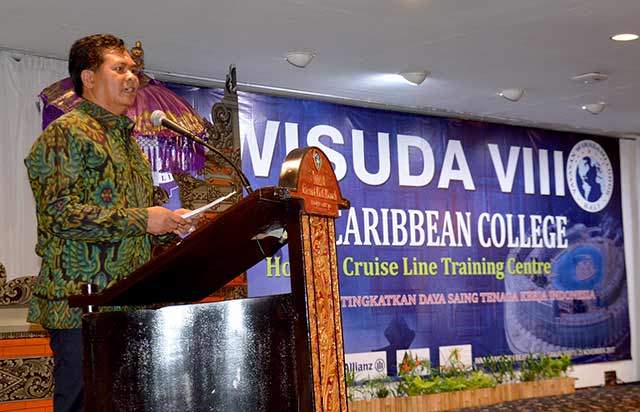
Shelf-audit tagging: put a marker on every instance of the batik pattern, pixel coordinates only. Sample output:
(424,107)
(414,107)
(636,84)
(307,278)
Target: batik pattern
(92,186)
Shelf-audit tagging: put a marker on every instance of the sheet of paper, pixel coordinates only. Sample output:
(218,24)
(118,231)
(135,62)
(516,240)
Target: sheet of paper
(277,232)
(207,206)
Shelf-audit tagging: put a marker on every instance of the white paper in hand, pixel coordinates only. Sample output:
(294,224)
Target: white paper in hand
(207,206)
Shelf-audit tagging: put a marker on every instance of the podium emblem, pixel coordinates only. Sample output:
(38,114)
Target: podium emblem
(317,159)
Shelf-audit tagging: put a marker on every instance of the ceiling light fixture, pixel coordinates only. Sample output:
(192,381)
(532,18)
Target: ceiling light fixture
(625,37)
(511,94)
(416,77)
(591,77)
(594,108)
(300,59)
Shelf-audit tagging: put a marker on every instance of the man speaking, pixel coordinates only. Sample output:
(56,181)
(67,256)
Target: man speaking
(93,192)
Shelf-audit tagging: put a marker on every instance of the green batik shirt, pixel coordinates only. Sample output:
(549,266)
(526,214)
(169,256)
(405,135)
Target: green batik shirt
(92,186)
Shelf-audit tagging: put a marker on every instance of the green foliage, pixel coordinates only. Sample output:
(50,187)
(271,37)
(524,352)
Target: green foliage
(350,379)
(453,377)
(410,373)
(478,379)
(377,388)
(537,367)
(416,377)
(415,385)
(370,388)
(502,368)
(455,367)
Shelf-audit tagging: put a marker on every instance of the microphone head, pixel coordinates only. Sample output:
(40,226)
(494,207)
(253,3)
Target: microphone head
(157,117)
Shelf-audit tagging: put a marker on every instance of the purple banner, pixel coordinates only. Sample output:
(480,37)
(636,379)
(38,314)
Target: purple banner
(490,238)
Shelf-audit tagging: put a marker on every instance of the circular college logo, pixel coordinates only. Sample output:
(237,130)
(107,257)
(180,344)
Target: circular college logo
(590,176)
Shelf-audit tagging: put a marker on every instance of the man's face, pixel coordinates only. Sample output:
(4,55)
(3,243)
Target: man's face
(114,84)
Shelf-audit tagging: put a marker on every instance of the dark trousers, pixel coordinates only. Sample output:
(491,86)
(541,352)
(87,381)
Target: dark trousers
(68,393)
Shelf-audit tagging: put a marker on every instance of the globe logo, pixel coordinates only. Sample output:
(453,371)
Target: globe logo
(590,176)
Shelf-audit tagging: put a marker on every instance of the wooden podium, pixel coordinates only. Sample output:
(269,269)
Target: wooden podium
(276,353)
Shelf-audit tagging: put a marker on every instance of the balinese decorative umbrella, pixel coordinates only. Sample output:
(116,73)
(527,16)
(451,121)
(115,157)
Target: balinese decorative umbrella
(167,151)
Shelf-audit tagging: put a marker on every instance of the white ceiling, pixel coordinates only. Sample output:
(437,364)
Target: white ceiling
(472,48)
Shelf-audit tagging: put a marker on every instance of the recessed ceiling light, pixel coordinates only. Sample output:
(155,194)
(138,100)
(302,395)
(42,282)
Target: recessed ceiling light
(625,37)
(415,77)
(594,108)
(591,77)
(300,59)
(511,94)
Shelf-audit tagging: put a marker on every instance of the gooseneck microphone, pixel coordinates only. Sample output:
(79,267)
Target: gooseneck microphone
(159,118)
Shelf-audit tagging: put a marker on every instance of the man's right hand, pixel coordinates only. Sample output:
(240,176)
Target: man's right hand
(162,220)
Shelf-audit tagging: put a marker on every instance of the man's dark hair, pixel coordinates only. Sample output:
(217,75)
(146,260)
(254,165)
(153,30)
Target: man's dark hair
(87,54)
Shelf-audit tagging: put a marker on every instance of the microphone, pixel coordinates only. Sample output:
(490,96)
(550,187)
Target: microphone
(159,118)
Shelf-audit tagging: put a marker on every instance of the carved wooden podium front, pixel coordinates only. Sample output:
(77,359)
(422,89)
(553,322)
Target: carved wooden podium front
(276,353)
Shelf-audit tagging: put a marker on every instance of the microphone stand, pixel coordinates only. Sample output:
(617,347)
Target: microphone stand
(243,179)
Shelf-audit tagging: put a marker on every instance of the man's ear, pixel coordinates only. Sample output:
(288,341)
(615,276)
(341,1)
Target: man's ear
(88,78)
